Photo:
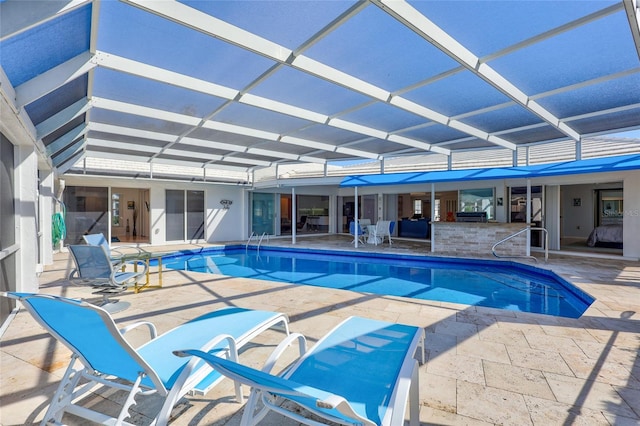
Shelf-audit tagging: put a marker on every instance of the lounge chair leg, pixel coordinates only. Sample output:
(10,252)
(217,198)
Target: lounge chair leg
(124,413)
(249,417)
(414,398)
(63,393)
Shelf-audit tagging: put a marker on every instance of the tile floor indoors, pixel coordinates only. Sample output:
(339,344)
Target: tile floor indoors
(485,366)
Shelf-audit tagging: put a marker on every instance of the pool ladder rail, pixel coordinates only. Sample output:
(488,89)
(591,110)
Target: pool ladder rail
(515,234)
(246,248)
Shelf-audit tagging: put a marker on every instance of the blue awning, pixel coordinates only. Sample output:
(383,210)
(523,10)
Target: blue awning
(594,165)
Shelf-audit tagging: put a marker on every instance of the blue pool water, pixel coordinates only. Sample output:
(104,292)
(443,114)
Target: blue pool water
(496,284)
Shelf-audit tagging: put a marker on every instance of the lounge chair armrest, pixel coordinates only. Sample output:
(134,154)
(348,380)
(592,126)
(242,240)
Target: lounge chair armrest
(209,349)
(336,402)
(274,384)
(282,346)
(152,328)
(233,346)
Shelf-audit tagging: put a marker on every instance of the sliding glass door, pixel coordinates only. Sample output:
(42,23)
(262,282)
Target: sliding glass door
(87,212)
(263,208)
(185,215)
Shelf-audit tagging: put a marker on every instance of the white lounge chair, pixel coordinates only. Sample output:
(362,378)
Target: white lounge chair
(362,372)
(106,358)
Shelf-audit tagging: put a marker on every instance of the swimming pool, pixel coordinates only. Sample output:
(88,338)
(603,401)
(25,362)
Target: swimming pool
(495,284)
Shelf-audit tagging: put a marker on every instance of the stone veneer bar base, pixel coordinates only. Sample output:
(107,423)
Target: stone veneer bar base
(473,238)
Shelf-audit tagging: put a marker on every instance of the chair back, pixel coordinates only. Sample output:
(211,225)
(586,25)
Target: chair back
(352,229)
(92,262)
(89,332)
(97,240)
(392,226)
(383,228)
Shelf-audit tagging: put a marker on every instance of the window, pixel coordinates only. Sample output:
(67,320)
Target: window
(115,210)
(478,200)
(417,207)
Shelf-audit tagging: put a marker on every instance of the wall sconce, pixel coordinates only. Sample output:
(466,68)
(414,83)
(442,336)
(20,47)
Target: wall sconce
(226,204)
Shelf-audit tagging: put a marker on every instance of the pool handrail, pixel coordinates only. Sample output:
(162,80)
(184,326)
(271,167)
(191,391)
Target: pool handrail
(515,234)
(246,247)
(260,242)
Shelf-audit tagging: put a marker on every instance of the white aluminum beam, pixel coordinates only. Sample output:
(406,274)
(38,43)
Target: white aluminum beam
(68,152)
(180,80)
(125,146)
(64,167)
(186,16)
(140,69)
(207,24)
(178,118)
(421,25)
(144,111)
(62,117)
(66,139)
(115,157)
(135,133)
(190,154)
(54,78)
(632,9)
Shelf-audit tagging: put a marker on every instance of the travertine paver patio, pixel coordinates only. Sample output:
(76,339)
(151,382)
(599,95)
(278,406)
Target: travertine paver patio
(485,366)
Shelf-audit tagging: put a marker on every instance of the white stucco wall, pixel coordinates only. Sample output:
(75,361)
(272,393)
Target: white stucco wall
(577,220)
(26,179)
(631,216)
(220,224)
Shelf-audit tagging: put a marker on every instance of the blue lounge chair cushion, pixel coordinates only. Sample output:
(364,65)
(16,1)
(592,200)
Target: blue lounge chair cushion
(235,322)
(359,363)
(365,351)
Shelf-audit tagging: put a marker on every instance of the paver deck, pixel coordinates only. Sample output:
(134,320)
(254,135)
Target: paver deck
(485,366)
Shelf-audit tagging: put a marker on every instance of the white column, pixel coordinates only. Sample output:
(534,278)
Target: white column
(294,213)
(528,250)
(433,215)
(26,175)
(356,214)
(46,213)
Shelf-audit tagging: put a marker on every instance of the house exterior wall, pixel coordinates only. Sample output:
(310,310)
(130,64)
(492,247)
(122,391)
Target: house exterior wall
(578,210)
(631,215)
(220,224)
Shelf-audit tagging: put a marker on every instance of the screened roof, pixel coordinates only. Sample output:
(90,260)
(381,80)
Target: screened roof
(240,85)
